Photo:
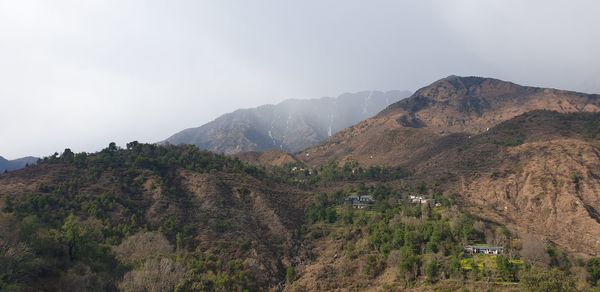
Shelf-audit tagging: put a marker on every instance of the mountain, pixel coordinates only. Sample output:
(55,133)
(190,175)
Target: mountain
(451,105)
(8,165)
(487,143)
(291,125)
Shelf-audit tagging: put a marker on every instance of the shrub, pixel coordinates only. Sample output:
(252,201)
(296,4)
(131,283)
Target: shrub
(540,280)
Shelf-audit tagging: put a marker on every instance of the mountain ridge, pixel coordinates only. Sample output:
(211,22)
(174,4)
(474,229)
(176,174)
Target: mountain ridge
(443,107)
(9,165)
(291,125)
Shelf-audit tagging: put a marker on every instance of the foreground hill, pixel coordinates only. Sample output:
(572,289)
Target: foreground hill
(108,220)
(290,126)
(8,165)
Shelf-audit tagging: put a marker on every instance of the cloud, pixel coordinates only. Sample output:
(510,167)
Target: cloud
(80,74)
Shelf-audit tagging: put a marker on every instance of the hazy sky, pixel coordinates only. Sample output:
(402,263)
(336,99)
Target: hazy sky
(80,74)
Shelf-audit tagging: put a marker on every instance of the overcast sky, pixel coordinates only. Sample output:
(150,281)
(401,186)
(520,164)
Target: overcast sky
(81,74)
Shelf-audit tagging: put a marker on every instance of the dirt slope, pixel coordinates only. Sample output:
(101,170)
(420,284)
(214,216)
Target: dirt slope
(454,104)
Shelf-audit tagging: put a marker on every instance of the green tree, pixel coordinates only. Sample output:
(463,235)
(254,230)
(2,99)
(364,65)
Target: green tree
(507,271)
(67,155)
(593,268)
(74,235)
(179,242)
(432,269)
(455,269)
(331,215)
(290,274)
(112,147)
(409,263)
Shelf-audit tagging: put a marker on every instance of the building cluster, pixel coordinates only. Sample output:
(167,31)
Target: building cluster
(423,200)
(484,249)
(360,202)
(306,171)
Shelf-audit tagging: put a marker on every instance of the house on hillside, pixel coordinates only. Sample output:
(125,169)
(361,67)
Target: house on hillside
(423,200)
(360,202)
(418,199)
(484,249)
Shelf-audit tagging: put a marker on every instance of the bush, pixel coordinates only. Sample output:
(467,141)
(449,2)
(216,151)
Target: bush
(593,269)
(143,245)
(432,269)
(538,280)
(154,275)
(290,275)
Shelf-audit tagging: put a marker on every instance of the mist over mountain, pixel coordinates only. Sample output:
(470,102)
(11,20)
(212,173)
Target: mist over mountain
(291,125)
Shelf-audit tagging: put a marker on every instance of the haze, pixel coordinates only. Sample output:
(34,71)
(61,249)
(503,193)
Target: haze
(80,74)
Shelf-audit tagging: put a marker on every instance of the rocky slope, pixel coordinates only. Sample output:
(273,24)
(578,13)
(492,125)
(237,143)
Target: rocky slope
(451,105)
(290,126)
(538,173)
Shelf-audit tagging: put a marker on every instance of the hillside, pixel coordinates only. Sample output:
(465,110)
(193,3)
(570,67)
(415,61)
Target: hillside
(291,125)
(8,165)
(268,158)
(227,225)
(537,173)
(165,217)
(454,104)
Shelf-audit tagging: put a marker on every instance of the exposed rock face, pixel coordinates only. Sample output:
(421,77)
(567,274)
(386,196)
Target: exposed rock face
(553,191)
(538,173)
(290,126)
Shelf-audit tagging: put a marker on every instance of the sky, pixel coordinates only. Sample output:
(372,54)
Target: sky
(80,74)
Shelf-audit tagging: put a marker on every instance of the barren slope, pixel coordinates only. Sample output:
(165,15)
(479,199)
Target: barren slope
(451,105)
(538,173)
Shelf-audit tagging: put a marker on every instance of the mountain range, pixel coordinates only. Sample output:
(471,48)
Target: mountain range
(8,165)
(290,126)
(506,164)
(469,105)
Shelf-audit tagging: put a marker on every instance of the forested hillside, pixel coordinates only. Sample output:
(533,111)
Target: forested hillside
(163,218)
(145,218)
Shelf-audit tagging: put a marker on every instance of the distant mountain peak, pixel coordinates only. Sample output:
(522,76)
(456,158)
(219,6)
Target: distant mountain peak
(9,165)
(290,126)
